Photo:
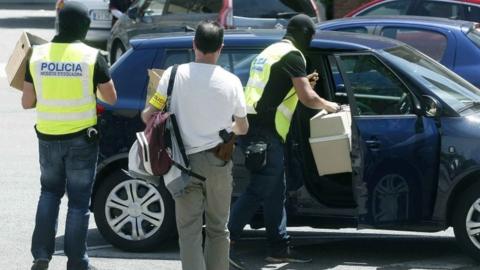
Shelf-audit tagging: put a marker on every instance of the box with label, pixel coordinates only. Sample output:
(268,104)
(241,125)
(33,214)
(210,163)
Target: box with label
(18,61)
(154,76)
(332,154)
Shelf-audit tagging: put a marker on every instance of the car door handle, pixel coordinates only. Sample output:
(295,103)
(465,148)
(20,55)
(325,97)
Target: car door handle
(373,144)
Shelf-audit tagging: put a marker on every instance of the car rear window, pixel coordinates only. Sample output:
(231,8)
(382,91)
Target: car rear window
(420,39)
(272,8)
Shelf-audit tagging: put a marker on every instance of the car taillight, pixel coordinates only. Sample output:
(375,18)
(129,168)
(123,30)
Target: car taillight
(100,109)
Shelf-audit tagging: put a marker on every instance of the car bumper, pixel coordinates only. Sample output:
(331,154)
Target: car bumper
(98,34)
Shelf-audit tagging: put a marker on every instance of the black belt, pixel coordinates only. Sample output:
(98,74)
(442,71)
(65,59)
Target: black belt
(61,137)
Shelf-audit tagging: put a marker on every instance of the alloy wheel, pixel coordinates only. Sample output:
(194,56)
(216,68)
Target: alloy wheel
(473,223)
(134,210)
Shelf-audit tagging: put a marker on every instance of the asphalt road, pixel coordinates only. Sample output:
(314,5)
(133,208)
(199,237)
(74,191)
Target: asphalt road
(19,190)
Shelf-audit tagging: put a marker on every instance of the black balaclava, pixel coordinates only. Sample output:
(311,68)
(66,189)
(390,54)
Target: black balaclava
(300,30)
(73,22)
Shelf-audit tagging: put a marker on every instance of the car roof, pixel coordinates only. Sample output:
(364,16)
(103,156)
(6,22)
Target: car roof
(254,37)
(375,2)
(401,19)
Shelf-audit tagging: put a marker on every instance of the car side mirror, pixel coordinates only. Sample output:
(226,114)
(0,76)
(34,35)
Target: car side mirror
(132,13)
(433,108)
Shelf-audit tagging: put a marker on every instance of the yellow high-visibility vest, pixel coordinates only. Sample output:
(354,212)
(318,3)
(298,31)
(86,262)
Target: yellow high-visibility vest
(63,78)
(259,75)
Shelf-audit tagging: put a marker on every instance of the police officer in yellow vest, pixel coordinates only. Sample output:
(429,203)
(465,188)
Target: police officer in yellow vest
(277,81)
(62,80)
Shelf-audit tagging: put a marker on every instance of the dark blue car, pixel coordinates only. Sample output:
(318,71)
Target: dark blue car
(454,43)
(415,142)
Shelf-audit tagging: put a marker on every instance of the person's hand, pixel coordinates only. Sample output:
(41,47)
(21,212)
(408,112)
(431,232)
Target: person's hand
(331,107)
(313,78)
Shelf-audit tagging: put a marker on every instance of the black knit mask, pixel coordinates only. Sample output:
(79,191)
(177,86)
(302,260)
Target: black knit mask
(73,22)
(300,31)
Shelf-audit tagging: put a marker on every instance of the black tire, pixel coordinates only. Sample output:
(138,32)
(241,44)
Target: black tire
(117,50)
(141,215)
(463,206)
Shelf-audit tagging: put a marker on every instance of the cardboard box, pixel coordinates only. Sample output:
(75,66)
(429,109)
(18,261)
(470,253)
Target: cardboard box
(18,61)
(332,154)
(154,76)
(332,124)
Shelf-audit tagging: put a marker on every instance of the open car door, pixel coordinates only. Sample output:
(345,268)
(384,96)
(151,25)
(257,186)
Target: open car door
(394,146)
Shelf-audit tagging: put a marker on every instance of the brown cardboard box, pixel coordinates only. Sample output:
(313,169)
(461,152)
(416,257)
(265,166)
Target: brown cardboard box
(17,63)
(332,154)
(330,140)
(154,76)
(324,125)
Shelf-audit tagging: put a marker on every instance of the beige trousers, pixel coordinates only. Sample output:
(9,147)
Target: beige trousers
(211,198)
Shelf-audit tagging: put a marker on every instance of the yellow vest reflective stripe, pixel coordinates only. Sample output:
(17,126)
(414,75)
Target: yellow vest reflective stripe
(259,75)
(63,78)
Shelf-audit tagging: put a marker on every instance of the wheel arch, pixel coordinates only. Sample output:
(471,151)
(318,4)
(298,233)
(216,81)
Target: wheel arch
(105,168)
(464,183)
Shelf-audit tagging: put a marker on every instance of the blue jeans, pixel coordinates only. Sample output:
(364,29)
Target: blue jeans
(266,187)
(66,165)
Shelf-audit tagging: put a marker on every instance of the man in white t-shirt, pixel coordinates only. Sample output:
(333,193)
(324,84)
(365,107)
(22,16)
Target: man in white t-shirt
(204,99)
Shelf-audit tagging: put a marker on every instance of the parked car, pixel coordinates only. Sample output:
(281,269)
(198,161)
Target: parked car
(454,43)
(163,16)
(468,10)
(415,142)
(101,18)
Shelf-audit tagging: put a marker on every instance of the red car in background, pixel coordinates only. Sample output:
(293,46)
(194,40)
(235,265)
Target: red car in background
(468,10)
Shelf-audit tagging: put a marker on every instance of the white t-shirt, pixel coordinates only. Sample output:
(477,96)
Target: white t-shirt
(204,99)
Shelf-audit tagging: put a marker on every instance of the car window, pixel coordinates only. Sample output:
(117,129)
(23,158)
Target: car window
(474,36)
(451,88)
(272,8)
(195,6)
(472,13)
(439,9)
(420,39)
(156,7)
(376,89)
(173,57)
(356,29)
(389,8)
(237,61)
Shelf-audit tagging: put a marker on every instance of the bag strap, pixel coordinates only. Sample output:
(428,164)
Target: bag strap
(171,82)
(176,130)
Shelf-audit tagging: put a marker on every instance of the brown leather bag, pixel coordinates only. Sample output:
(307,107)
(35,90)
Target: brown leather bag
(224,151)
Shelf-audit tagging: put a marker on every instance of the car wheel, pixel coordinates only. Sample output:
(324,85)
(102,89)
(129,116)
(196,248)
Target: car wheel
(133,215)
(466,220)
(117,51)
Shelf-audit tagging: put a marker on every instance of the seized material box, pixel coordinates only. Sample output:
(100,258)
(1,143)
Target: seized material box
(332,154)
(18,61)
(154,76)
(330,141)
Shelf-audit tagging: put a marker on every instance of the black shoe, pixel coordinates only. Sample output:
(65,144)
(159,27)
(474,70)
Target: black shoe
(234,260)
(40,265)
(287,255)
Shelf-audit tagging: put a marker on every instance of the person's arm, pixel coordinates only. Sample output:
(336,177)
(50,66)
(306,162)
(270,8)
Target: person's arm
(148,112)
(103,81)
(107,92)
(294,66)
(240,125)
(29,98)
(310,98)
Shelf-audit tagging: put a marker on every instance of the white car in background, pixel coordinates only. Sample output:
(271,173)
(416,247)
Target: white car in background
(101,18)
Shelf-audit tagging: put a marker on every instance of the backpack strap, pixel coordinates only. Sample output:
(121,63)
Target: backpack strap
(176,130)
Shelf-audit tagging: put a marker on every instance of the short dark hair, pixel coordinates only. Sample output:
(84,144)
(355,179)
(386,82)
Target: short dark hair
(208,36)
